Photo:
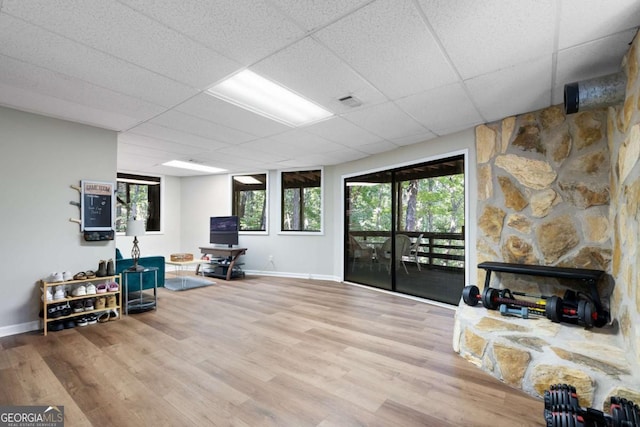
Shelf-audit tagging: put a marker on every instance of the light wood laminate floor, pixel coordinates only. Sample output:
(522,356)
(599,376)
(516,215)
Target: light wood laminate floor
(263,351)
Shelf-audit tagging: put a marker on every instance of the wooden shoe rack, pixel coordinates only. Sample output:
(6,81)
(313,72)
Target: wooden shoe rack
(70,285)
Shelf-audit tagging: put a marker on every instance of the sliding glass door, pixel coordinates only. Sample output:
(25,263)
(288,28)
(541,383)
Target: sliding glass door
(404,229)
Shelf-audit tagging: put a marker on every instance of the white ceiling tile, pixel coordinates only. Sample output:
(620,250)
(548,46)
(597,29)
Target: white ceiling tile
(23,42)
(204,128)
(377,147)
(158,144)
(389,44)
(514,90)
(441,108)
(590,60)
(210,108)
(34,102)
(111,26)
(586,20)
(300,142)
(485,36)
(312,14)
(174,135)
(38,80)
(413,139)
(249,152)
(387,121)
(343,132)
(311,70)
(243,30)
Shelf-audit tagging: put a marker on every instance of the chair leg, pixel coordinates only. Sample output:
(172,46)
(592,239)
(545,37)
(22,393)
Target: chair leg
(405,267)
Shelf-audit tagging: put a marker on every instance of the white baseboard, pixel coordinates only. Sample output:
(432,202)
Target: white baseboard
(293,275)
(20,328)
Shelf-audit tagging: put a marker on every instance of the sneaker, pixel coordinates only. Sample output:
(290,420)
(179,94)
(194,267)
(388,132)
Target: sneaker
(69,323)
(78,307)
(92,319)
(102,269)
(91,289)
(60,293)
(113,314)
(104,317)
(65,309)
(53,311)
(111,271)
(88,304)
(56,326)
(82,321)
(66,276)
(112,287)
(54,277)
(111,301)
(79,291)
(48,296)
(100,303)
(102,288)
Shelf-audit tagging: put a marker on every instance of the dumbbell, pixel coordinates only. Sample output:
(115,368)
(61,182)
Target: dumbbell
(523,312)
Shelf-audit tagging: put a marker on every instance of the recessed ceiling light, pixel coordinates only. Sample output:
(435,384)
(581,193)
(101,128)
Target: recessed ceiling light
(246,179)
(193,166)
(252,92)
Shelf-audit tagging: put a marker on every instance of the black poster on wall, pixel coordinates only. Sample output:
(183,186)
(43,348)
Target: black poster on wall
(97,206)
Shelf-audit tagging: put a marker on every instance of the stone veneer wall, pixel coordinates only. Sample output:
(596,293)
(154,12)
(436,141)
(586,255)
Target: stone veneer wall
(564,191)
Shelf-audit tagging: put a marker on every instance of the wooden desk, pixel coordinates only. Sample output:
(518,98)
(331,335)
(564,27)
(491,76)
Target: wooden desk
(233,253)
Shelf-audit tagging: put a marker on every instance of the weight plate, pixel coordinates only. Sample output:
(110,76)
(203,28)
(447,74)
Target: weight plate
(489,296)
(553,309)
(470,295)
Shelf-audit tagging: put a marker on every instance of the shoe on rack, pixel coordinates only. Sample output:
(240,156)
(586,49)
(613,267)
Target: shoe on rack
(80,276)
(102,269)
(112,287)
(78,307)
(91,289)
(66,276)
(53,311)
(79,291)
(56,326)
(92,319)
(113,314)
(88,304)
(111,271)
(90,274)
(103,317)
(82,321)
(61,293)
(111,301)
(101,288)
(54,277)
(65,309)
(48,296)
(101,303)
(69,323)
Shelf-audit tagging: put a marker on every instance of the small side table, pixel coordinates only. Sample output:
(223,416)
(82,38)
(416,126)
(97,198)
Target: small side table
(141,303)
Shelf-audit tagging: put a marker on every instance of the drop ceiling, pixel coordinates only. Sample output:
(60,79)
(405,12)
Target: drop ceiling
(421,69)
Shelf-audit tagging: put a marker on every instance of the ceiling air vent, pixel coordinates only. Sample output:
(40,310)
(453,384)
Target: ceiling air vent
(350,101)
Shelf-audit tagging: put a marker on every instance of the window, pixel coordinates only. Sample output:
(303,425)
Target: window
(138,196)
(250,201)
(301,201)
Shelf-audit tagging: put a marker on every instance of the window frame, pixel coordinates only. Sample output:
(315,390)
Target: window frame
(234,207)
(121,176)
(281,212)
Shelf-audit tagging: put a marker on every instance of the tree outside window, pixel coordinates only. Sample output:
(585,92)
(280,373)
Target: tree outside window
(301,202)
(250,201)
(137,197)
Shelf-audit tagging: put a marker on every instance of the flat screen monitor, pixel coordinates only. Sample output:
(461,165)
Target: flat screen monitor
(223,230)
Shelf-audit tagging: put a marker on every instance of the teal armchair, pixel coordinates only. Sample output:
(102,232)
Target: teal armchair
(134,279)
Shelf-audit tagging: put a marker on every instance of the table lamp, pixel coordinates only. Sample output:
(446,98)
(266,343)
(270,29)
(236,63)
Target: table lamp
(135,228)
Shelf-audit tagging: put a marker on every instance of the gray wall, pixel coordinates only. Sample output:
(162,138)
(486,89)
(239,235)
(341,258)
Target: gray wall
(40,158)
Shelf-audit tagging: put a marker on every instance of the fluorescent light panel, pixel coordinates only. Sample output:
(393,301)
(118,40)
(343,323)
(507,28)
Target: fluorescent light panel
(252,92)
(246,179)
(193,166)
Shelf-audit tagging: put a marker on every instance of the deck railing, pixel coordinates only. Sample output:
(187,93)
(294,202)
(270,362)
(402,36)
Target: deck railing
(442,250)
